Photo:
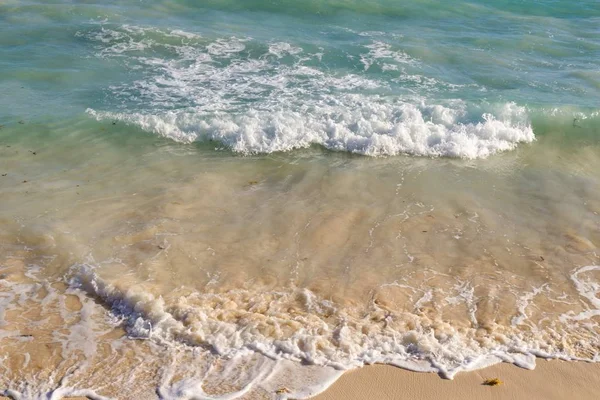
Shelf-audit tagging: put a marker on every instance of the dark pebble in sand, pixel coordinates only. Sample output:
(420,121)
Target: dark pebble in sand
(24,181)
(4,174)
(21,122)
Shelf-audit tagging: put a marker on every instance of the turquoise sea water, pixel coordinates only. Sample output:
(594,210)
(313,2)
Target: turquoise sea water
(377,77)
(231,198)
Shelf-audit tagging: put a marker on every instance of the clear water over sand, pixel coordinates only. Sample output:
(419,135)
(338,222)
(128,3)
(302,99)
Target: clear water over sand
(194,208)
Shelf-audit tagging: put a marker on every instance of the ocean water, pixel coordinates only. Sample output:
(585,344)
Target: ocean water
(244,199)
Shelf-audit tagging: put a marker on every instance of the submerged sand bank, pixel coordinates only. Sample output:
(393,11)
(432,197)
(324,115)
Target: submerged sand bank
(550,380)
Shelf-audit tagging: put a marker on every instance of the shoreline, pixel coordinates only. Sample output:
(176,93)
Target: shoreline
(551,379)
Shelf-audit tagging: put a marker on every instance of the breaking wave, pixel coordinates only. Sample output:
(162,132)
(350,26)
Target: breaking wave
(352,123)
(257,97)
(296,325)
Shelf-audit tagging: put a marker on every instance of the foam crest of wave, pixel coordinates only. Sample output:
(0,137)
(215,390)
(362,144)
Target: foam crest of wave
(268,97)
(381,51)
(351,123)
(297,325)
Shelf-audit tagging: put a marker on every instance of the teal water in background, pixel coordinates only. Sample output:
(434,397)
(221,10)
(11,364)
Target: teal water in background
(376,77)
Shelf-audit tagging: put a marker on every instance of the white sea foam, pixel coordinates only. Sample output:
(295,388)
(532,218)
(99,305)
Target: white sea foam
(409,340)
(280,49)
(349,124)
(381,51)
(281,379)
(57,394)
(275,102)
(226,47)
(254,340)
(589,289)
(187,35)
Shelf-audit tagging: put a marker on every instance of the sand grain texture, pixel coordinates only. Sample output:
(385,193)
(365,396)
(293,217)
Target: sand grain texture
(550,380)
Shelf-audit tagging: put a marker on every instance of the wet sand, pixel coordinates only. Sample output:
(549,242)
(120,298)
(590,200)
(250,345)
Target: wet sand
(549,380)
(305,255)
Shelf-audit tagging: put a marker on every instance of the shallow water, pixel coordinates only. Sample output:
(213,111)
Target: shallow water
(197,205)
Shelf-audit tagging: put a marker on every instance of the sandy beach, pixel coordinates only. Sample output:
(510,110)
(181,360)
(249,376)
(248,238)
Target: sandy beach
(258,199)
(549,380)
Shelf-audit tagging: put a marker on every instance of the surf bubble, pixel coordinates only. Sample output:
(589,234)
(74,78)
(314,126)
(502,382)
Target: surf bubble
(195,343)
(257,97)
(357,125)
(321,334)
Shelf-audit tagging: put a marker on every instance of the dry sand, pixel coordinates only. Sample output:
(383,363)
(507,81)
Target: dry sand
(550,380)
